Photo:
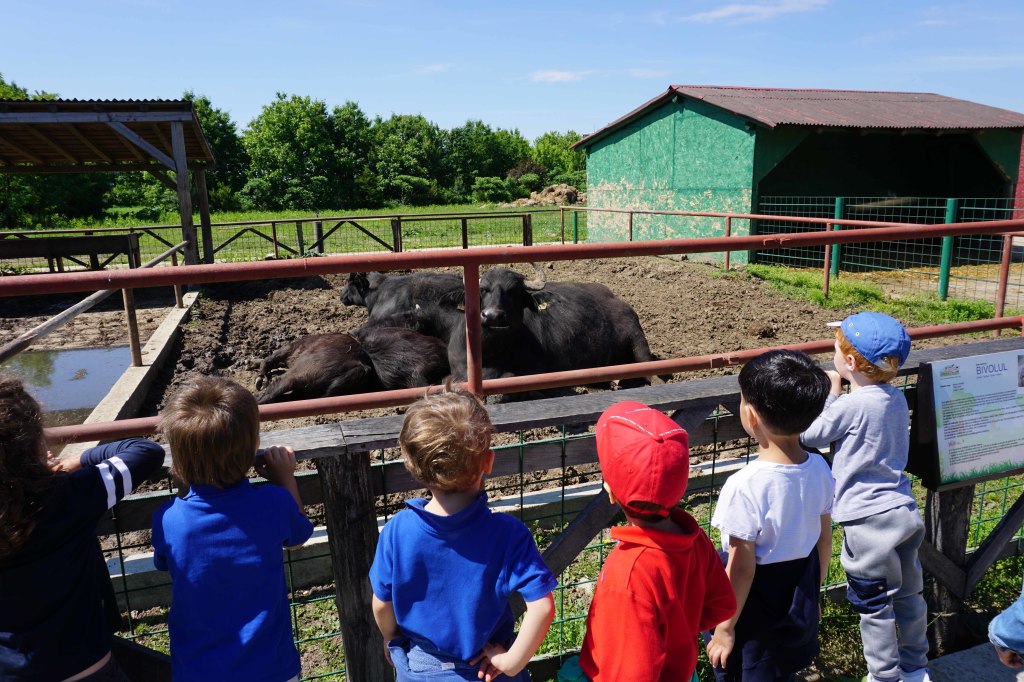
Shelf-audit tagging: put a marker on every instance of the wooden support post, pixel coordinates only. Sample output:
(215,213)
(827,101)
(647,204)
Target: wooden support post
(94,259)
(133,327)
(352,536)
(946,529)
(204,215)
(465,233)
(188,230)
(528,230)
(396,234)
(318,236)
(179,302)
(300,240)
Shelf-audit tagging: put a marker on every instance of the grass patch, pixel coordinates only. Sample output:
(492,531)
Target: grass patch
(806,285)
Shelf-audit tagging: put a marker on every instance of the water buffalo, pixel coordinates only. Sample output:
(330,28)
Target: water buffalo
(316,366)
(429,302)
(530,327)
(367,359)
(404,358)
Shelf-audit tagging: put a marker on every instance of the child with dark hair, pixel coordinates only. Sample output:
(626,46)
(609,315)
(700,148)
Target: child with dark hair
(662,583)
(774,517)
(882,526)
(57,606)
(445,567)
(223,541)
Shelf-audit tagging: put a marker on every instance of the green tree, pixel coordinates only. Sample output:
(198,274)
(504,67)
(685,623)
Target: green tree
(475,150)
(228,178)
(406,160)
(553,151)
(352,141)
(292,158)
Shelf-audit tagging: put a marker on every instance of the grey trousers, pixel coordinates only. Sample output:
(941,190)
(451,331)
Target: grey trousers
(885,587)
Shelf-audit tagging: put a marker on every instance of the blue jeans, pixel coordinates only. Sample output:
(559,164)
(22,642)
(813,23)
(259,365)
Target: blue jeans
(413,663)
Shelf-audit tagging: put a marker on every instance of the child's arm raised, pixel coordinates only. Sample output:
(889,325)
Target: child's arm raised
(740,570)
(496,661)
(278,467)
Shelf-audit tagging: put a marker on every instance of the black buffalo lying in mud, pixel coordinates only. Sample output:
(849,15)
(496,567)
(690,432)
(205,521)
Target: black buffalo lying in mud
(429,302)
(367,359)
(530,327)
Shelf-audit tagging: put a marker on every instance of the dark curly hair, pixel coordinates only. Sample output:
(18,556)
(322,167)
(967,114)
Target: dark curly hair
(25,478)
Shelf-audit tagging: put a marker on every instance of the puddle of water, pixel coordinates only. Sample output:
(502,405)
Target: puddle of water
(69,383)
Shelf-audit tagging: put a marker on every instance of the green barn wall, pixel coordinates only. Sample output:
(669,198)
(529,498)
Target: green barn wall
(1003,147)
(682,156)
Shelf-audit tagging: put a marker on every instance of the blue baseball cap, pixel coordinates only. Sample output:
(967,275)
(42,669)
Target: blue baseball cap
(876,336)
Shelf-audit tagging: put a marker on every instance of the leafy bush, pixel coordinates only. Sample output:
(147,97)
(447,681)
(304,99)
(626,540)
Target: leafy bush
(491,190)
(530,181)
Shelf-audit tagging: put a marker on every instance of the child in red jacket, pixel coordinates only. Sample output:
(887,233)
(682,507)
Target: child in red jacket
(663,582)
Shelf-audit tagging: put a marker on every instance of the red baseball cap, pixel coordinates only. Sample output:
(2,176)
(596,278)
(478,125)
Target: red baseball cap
(644,455)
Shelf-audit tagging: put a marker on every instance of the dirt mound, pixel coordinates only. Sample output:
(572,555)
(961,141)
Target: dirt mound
(554,195)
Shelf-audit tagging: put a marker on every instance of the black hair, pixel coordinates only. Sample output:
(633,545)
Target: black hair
(787,389)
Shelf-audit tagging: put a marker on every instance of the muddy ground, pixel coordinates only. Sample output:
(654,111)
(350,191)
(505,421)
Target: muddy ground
(686,309)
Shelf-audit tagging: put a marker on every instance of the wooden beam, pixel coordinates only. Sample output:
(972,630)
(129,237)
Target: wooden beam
(994,544)
(947,517)
(94,117)
(204,216)
(945,571)
(117,167)
(158,132)
(143,144)
(352,537)
(164,178)
(88,143)
(31,130)
(20,150)
(188,230)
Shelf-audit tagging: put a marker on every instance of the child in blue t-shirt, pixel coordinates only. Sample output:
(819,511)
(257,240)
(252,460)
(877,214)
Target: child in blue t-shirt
(223,541)
(445,567)
(57,607)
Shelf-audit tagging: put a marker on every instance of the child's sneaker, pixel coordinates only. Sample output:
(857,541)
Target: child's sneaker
(919,675)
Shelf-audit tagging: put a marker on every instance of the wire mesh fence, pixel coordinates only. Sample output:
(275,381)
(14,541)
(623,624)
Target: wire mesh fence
(300,237)
(546,499)
(965,267)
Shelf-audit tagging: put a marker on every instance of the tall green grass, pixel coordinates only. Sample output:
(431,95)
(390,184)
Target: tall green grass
(918,310)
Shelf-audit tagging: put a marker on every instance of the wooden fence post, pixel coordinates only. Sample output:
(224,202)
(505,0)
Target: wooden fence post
(318,236)
(527,230)
(946,528)
(396,234)
(352,536)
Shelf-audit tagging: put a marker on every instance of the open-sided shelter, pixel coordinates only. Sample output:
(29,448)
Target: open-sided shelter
(86,136)
(721,149)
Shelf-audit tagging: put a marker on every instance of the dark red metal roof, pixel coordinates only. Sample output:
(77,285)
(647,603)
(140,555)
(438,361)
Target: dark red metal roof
(771,107)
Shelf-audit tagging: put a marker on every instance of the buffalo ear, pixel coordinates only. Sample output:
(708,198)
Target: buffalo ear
(453,298)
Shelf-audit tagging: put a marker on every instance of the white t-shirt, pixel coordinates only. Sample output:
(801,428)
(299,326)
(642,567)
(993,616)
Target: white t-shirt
(778,507)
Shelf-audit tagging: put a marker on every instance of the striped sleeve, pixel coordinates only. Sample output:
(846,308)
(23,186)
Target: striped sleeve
(123,465)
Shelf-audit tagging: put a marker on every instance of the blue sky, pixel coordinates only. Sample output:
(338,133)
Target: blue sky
(535,66)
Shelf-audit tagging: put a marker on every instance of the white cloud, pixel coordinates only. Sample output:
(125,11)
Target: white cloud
(556,76)
(431,68)
(755,11)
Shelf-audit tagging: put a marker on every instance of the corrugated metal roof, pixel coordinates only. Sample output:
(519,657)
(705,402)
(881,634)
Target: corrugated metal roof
(61,135)
(773,107)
